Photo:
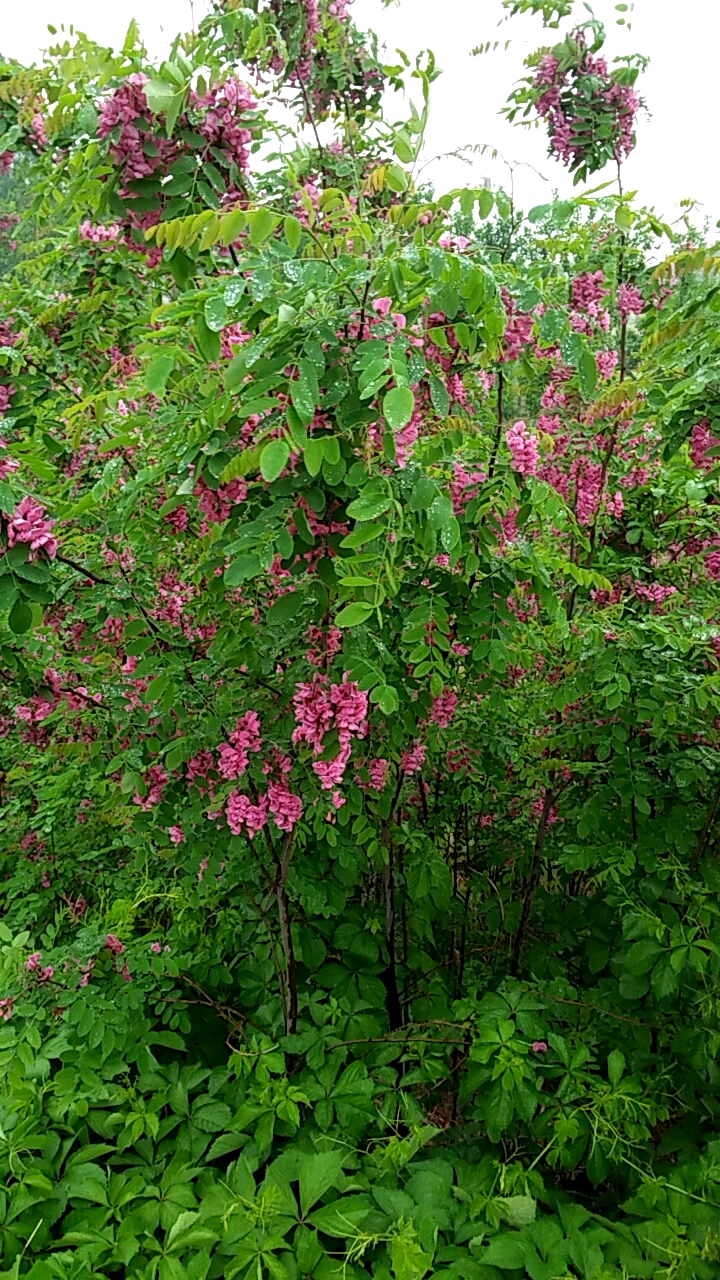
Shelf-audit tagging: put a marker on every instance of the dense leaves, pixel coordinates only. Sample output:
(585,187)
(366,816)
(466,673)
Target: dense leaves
(360,683)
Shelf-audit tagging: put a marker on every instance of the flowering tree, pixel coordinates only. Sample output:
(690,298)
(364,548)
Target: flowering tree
(359,681)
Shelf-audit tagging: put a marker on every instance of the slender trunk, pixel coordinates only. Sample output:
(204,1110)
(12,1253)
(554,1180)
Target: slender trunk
(531,884)
(291,1014)
(498,430)
(389,978)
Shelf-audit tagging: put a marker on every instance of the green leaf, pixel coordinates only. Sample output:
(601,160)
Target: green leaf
(159,94)
(624,217)
(616,1066)
(507,1251)
(158,372)
(208,342)
(317,1175)
(368,507)
(8,592)
(342,1217)
(439,396)
(398,407)
(236,372)
(211,1116)
(241,570)
(293,231)
(423,494)
(262,224)
(313,455)
(520,1210)
(285,607)
(353,615)
(216,314)
(7,498)
(274,459)
(587,371)
(20,619)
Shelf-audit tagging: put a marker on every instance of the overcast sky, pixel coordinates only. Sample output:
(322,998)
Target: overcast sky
(677,154)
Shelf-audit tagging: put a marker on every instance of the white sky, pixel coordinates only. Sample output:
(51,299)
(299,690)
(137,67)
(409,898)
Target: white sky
(677,154)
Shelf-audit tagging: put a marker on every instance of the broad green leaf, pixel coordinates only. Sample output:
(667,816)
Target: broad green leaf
(262,224)
(216,314)
(353,615)
(293,231)
(285,607)
(241,570)
(20,618)
(274,459)
(318,1173)
(398,407)
(439,396)
(157,374)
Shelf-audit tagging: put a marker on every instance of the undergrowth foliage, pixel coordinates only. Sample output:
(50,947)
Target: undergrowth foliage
(359,679)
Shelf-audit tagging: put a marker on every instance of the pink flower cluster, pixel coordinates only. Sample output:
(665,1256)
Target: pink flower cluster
(228,110)
(99,234)
(519,329)
(242,813)
(588,291)
(701,440)
(464,486)
(629,301)
(155,780)
(443,708)
(523,448)
(413,760)
(235,754)
(321,707)
(378,771)
(33,964)
(29,523)
(654,592)
(447,241)
(216,504)
(572,100)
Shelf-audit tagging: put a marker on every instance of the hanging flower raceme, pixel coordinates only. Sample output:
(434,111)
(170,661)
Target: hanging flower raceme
(30,523)
(590,112)
(523,448)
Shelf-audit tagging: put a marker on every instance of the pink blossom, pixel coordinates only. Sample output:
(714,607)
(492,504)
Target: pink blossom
(156,948)
(154,780)
(33,962)
(234,756)
(588,291)
(629,301)
(519,328)
(29,523)
(284,806)
(443,709)
(524,449)
(701,441)
(114,944)
(654,592)
(378,771)
(539,1046)
(176,835)
(606,363)
(241,812)
(382,306)
(615,505)
(413,760)
(332,772)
